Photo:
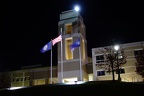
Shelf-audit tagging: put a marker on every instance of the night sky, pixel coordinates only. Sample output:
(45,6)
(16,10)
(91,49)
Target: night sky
(29,25)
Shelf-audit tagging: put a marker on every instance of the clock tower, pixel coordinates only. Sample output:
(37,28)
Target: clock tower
(71,64)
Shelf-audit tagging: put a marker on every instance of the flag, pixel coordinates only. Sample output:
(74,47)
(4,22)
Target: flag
(46,47)
(56,40)
(75,44)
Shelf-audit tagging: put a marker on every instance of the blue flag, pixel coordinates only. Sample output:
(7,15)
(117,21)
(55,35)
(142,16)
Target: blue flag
(46,47)
(75,44)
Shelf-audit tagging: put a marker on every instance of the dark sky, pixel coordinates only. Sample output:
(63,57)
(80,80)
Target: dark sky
(29,25)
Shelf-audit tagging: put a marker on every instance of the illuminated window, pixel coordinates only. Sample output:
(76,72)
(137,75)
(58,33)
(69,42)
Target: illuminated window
(68,52)
(25,79)
(68,28)
(39,82)
(90,77)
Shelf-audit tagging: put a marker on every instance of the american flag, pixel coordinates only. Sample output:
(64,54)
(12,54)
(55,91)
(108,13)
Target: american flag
(56,40)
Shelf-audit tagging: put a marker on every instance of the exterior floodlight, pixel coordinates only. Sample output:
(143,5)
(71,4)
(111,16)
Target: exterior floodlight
(15,88)
(116,47)
(77,8)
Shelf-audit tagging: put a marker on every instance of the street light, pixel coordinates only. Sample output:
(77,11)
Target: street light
(77,8)
(116,47)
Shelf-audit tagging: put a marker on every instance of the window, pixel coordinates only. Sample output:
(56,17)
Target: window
(13,80)
(101,73)
(68,28)
(21,79)
(68,52)
(99,58)
(25,79)
(28,78)
(136,52)
(122,70)
(17,79)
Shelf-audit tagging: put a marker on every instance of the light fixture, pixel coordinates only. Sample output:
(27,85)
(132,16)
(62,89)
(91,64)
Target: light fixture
(77,8)
(116,47)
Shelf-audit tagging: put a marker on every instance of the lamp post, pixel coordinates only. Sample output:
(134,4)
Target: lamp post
(112,70)
(77,9)
(116,47)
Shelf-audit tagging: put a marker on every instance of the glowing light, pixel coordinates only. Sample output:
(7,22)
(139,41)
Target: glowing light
(77,8)
(74,82)
(116,47)
(14,88)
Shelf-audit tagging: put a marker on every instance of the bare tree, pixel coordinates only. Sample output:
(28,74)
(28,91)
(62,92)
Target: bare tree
(5,80)
(140,63)
(113,60)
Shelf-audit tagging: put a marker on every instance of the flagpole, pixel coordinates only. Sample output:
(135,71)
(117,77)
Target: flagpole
(51,64)
(61,59)
(80,53)
(80,60)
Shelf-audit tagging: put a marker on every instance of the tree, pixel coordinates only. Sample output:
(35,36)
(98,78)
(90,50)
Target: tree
(140,63)
(113,60)
(5,80)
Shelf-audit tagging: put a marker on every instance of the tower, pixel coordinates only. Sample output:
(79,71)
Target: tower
(71,64)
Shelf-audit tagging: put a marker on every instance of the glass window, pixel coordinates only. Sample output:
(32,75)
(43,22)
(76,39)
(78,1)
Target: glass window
(122,70)
(99,58)
(101,73)
(136,52)
(21,79)
(17,79)
(13,80)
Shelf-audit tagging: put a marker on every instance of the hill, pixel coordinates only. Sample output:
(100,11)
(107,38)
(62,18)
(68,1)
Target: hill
(92,88)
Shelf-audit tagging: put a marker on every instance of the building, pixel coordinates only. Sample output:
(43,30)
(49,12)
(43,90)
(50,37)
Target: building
(128,70)
(73,65)
(37,75)
(33,75)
